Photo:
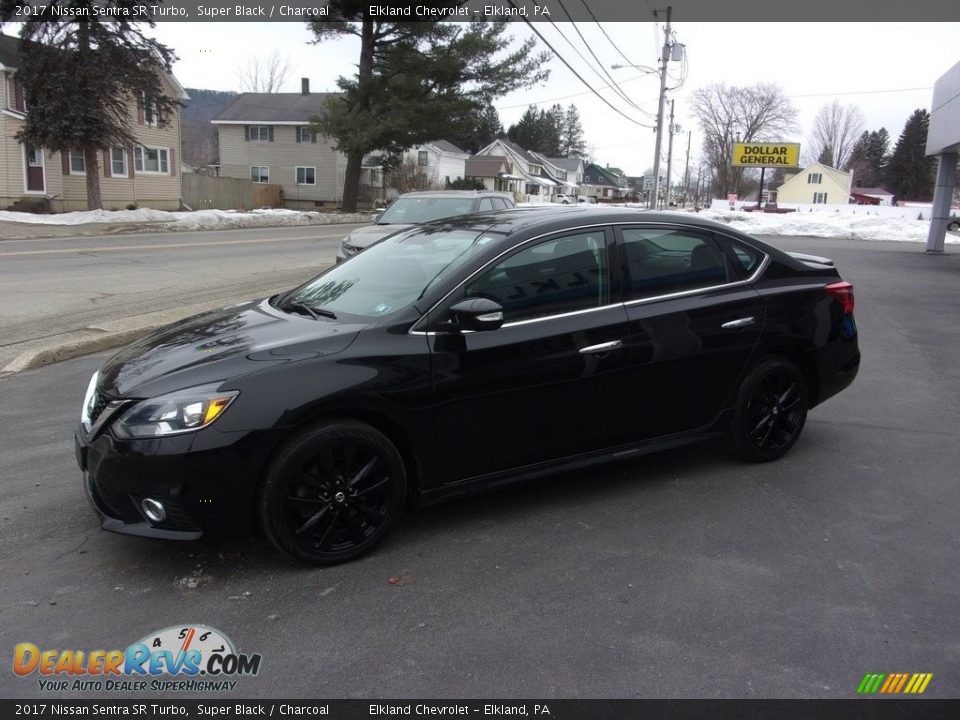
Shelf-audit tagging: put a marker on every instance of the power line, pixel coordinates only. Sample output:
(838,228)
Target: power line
(567,97)
(613,83)
(579,77)
(609,39)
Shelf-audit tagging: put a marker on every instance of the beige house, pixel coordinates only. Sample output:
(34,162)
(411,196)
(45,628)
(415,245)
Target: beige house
(146,175)
(265,138)
(818,184)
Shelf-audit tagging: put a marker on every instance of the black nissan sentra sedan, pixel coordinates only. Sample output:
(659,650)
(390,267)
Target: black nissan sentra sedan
(456,356)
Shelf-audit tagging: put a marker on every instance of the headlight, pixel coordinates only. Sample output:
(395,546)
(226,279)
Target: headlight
(89,401)
(178,412)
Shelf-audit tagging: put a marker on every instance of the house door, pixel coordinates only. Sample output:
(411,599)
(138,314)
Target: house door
(35,176)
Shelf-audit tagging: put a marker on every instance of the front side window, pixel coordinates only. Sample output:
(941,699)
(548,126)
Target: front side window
(550,278)
(392,274)
(662,261)
(151,160)
(260,173)
(78,165)
(306,176)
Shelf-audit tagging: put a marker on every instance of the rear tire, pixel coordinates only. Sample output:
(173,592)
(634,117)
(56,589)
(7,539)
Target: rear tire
(332,492)
(769,411)
(953,225)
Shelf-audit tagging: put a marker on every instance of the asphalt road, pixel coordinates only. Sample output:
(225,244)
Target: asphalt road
(51,286)
(683,574)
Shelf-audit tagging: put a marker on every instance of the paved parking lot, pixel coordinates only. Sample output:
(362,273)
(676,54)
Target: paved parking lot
(683,574)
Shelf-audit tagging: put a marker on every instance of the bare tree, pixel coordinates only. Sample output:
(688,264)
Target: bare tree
(729,114)
(835,132)
(264,73)
(409,176)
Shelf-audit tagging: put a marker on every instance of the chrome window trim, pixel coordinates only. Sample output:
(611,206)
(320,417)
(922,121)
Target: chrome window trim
(756,274)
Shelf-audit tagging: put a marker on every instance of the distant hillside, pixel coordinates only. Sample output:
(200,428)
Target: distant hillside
(200,142)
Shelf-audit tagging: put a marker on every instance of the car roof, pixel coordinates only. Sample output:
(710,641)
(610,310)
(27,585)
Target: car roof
(547,218)
(455,193)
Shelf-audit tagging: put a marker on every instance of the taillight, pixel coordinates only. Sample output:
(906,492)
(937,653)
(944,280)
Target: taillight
(843,293)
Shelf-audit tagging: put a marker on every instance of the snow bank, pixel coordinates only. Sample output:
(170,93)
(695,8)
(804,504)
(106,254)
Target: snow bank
(825,225)
(195,220)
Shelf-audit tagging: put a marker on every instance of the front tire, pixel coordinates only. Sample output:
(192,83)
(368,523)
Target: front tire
(769,411)
(332,493)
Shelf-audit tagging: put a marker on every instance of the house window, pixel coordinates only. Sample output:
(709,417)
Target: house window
(819,198)
(814,178)
(150,113)
(305,176)
(305,135)
(260,173)
(260,133)
(422,158)
(78,165)
(151,160)
(535,170)
(118,162)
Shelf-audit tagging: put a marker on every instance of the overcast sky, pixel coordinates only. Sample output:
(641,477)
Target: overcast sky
(887,69)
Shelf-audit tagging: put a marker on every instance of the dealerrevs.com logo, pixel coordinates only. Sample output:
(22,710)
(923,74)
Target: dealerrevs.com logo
(186,658)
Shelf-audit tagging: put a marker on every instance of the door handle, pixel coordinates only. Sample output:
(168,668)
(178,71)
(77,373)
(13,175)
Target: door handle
(738,323)
(602,347)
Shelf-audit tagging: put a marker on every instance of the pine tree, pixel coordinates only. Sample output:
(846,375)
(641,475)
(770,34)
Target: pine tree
(81,78)
(483,130)
(415,81)
(572,144)
(869,158)
(910,171)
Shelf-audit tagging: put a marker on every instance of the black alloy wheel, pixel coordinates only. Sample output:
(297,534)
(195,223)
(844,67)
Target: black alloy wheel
(770,410)
(332,492)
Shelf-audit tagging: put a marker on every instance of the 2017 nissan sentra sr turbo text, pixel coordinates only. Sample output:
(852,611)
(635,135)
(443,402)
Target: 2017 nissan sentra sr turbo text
(453,357)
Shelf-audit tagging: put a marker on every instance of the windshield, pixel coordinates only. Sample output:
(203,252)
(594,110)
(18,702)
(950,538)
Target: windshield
(391,274)
(416,210)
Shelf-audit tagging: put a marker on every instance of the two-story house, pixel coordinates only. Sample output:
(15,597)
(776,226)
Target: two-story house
(566,172)
(266,138)
(604,182)
(537,186)
(145,175)
(818,184)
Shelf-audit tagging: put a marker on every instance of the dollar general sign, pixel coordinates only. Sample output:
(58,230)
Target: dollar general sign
(784,155)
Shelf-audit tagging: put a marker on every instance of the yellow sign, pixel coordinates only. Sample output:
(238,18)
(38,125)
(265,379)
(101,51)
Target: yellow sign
(783,155)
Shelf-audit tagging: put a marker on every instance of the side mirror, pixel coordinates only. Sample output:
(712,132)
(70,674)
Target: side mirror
(476,314)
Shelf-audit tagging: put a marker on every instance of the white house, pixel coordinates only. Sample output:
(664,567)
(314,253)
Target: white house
(440,160)
(536,183)
(818,184)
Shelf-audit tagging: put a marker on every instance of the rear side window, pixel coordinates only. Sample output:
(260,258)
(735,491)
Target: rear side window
(553,277)
(661,261)
(746,258)
(499,203)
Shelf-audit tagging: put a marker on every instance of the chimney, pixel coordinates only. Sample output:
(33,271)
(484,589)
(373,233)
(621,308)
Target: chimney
(304,86)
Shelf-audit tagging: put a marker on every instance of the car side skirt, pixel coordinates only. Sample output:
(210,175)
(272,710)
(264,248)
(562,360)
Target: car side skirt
(484,483)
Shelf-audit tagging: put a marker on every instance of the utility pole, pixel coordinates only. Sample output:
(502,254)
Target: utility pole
(666,204)
(686,170)
(664,59)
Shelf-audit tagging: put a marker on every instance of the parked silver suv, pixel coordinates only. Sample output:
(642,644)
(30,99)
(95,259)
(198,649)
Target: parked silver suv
(414,208)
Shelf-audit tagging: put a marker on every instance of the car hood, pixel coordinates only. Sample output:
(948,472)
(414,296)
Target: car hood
(220,345)
(365,236)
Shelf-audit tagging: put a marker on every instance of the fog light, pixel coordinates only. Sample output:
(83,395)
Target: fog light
(154,510)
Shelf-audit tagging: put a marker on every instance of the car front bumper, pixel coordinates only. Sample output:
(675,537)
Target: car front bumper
(206,485)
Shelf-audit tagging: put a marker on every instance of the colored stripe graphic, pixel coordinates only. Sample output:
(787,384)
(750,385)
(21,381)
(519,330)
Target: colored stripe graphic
(894,683)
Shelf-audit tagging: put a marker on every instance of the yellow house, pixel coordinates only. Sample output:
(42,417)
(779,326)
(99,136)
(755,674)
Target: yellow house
(818,184)
(145,175)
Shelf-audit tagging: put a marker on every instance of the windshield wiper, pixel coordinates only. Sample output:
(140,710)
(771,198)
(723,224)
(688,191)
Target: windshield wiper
(315,313)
